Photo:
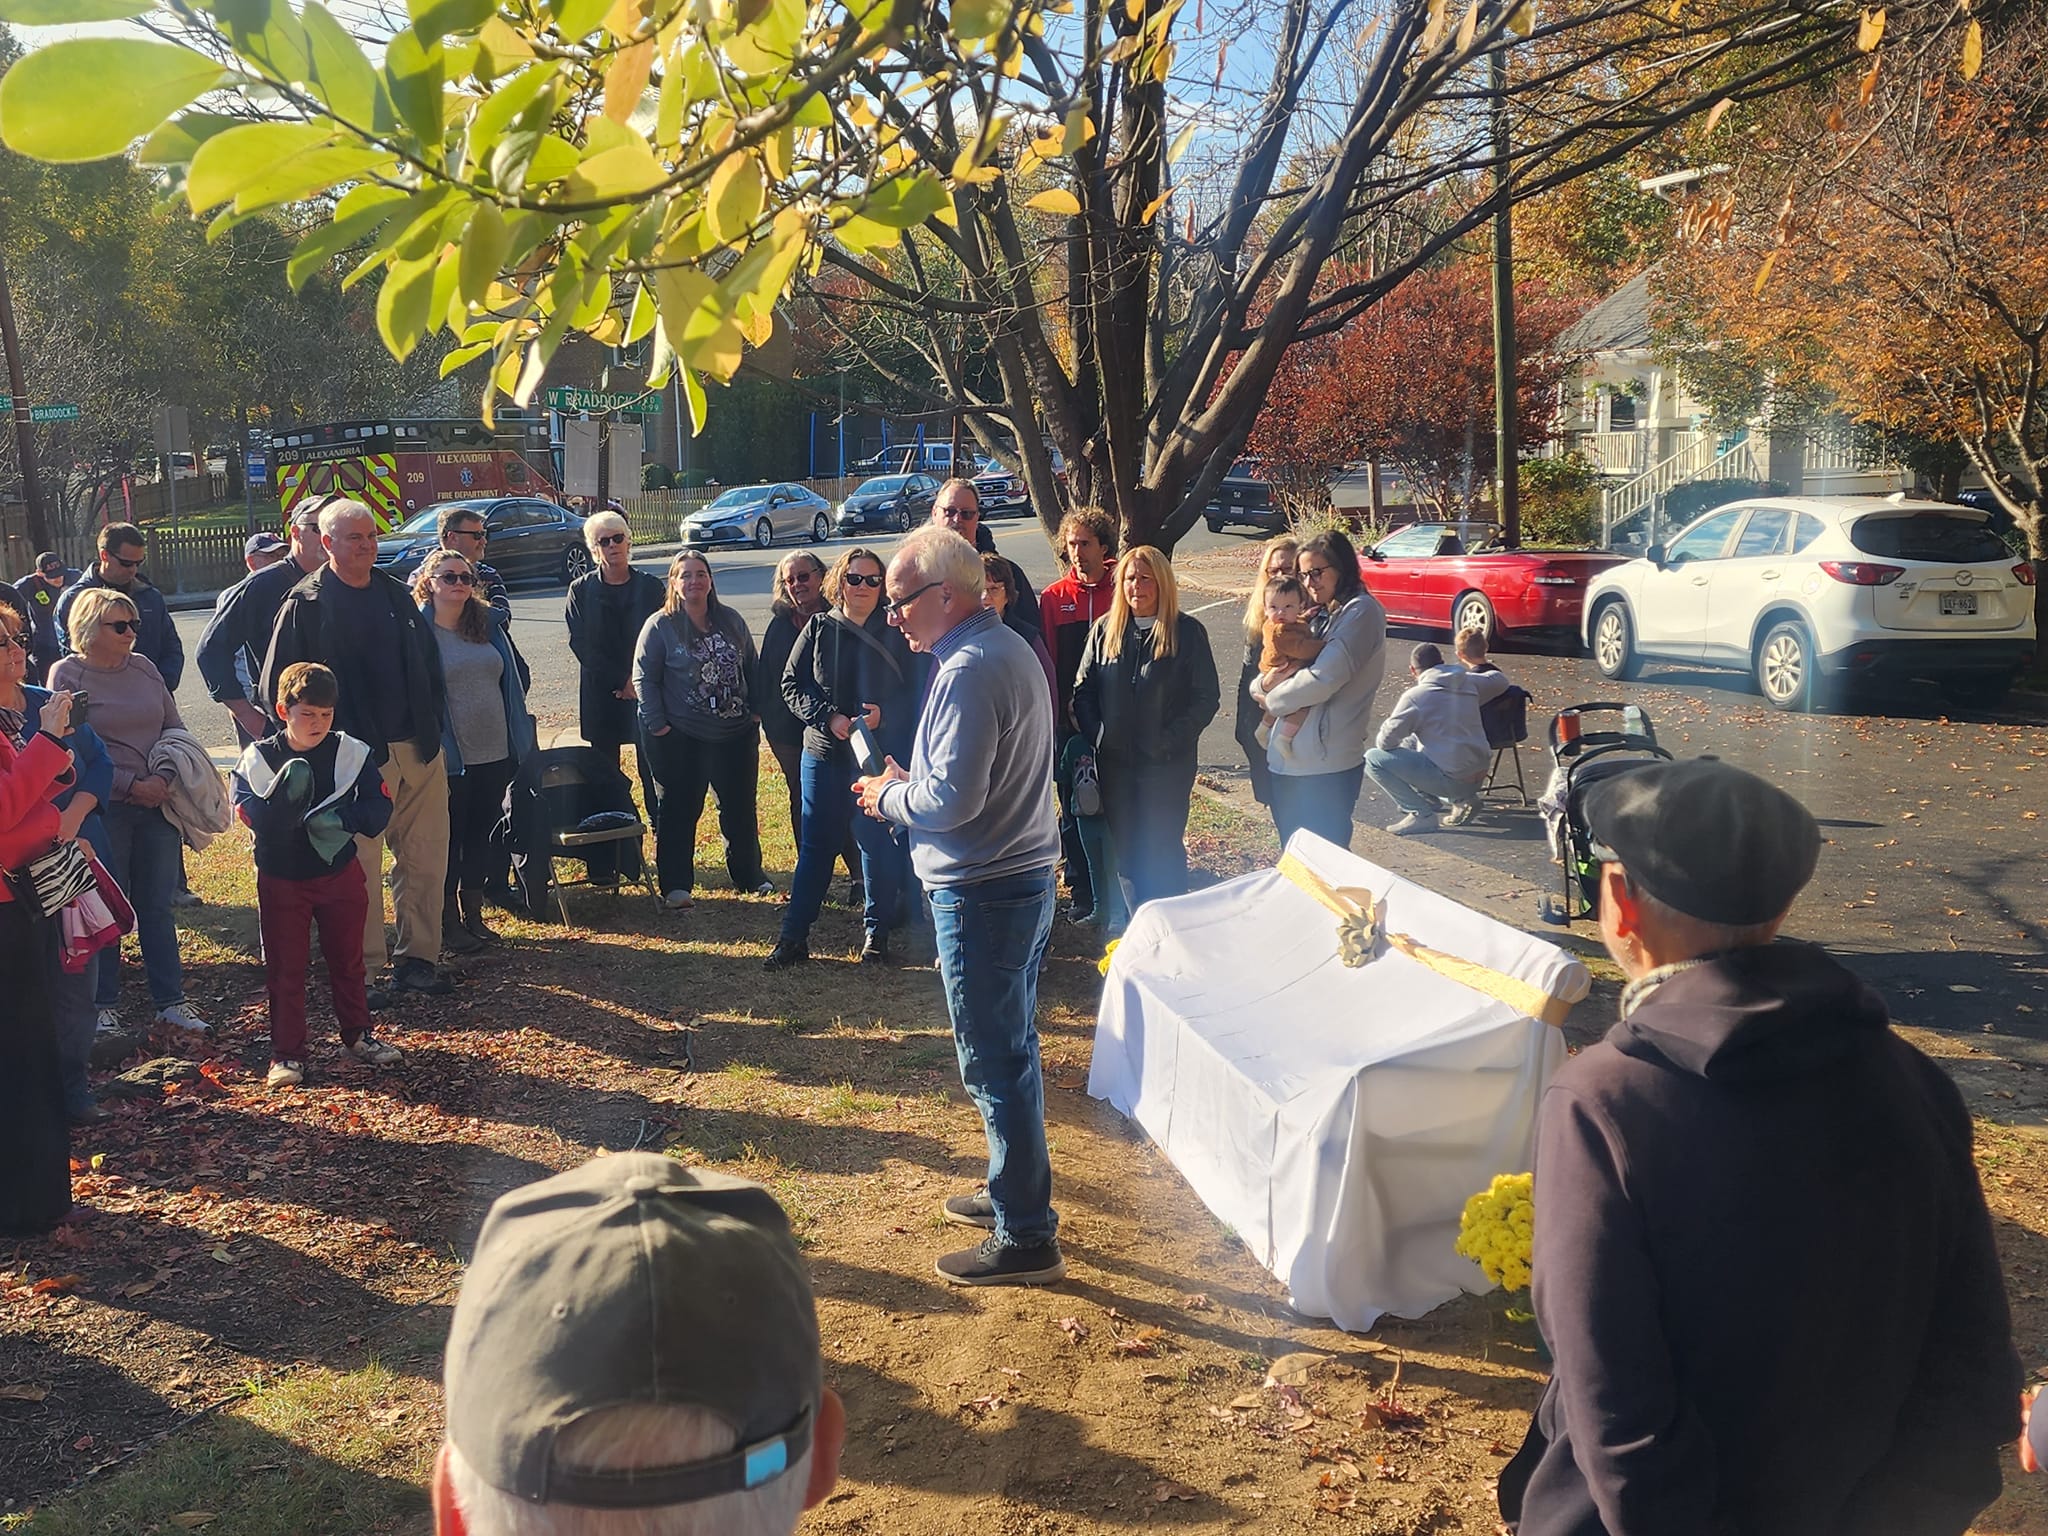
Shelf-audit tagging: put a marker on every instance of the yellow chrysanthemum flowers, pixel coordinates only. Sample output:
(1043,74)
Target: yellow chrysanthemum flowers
(1497,1228)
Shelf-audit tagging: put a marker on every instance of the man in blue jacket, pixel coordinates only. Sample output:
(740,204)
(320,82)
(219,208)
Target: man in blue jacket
(244,616)
(122,552)
(1762,1257)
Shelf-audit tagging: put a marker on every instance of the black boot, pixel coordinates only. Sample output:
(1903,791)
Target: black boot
(787,952)
(875,949)
(456,939)
(473,919)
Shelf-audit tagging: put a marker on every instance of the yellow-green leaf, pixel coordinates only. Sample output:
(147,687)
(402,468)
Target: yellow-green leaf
(735,198)
(414,75)
(402,304)
(1054,200)
(53,13)
(552,160)
(693,391)
(643,317)
(342,74)
(975,20)
(179,139)
(431,19)
(1973,50)
(484,245)
(576,19)
(697,321)
(614,175)
(1870,30)
(1763,274)
(231,160)
(132,84)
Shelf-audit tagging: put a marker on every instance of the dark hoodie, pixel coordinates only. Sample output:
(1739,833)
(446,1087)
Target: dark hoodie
(1765,1267)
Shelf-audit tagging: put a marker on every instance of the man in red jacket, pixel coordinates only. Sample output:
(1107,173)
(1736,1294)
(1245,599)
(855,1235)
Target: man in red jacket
(1762,1259)
(1067,607)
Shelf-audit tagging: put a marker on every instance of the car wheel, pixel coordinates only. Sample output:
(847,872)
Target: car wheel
(902,519)
(1978,691)
(821,529)
(1614,643)
(1785,667)
(1215,524)
(575,562)
(764,534)
(1473,611)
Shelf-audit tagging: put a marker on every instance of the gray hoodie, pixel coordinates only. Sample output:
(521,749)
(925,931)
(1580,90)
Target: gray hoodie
(1441,714)
(1338,686)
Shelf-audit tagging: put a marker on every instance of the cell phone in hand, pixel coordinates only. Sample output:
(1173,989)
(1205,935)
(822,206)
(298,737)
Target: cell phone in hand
(81,701)
(867,752)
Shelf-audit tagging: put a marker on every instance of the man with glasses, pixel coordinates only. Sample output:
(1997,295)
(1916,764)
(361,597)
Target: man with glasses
(462,530)
(363,625)
(238,634)
(977,802)
(958,507)
(120,568)
(40,589)
(607,608)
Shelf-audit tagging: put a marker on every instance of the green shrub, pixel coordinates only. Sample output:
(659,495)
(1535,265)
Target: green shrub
(1683,503)
(1560,500)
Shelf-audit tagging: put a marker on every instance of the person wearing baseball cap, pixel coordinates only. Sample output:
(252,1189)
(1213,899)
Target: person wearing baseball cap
(635,1352)
(236,637)
(1763,1262)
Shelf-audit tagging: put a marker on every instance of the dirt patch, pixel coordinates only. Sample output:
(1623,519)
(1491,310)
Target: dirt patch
(229,1235)
(1227,571)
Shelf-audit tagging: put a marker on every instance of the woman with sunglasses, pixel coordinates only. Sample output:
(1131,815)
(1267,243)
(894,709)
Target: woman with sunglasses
(608,606)
(696,674)
(850,665)
(798,596)
(485,732)
(131,710)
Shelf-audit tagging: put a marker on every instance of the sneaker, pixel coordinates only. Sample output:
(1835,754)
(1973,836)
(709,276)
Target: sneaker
(374,1051)
(1461,811)
(678,901)
(285,1074)
(109,1022)
(181,1016)
(787,952)
(765,888)
(1412,822)
(415,975)
(975,1210)
(996,1262)
(87,1114)
(377,999)
(187,899)
(1083,916)
(874,949)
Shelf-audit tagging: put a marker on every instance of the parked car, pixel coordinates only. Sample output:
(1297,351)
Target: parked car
(1449,576)
(999,491)
(887,503)
(530,539)
(1816,595)
(759,514)
(1245,496)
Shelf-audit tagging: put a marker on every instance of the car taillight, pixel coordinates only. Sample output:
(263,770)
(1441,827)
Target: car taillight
(2025,573)
(1861,573)
(1553,579)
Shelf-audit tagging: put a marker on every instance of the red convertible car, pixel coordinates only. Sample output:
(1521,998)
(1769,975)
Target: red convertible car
(1423,575)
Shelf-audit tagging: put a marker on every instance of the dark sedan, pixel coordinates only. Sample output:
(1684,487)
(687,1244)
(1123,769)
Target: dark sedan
(530,539)
(887,504)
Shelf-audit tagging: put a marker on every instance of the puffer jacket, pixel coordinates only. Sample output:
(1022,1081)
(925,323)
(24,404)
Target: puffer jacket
(1140,708)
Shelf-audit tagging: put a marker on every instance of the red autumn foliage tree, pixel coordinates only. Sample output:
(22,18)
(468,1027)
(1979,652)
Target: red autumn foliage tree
(1410,382)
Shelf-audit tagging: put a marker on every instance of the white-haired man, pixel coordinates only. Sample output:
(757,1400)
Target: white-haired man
(977,802)
(364,626)
(635,1353)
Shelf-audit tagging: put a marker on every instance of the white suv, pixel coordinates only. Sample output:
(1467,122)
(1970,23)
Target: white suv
(1815,595)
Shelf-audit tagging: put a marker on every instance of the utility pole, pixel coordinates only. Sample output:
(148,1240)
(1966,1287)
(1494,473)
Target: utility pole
(24,434)
(1507,448)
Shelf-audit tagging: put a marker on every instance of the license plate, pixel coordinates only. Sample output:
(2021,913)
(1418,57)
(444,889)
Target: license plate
(1958,603)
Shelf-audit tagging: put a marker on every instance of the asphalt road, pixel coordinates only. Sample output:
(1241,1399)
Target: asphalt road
(1932,876)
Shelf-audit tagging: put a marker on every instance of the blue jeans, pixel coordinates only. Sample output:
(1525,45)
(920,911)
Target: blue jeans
(1321,802)
(828,812)
(146,854)
(992,938)
(1409,779)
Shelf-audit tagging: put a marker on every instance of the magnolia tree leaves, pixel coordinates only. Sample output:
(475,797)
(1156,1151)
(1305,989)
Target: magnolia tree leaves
(626,169)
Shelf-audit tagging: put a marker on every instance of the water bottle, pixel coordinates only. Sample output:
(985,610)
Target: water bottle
(1632,722)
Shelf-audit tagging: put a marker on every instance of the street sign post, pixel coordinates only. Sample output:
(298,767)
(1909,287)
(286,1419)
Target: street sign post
(54,412)
(604,401)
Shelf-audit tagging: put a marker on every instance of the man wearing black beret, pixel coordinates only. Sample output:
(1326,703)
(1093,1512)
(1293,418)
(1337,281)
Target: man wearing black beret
(1762,1258)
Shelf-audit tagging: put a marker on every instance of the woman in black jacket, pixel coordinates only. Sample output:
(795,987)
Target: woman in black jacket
(798,596)
(1146,688)
(608,606)
(850,665)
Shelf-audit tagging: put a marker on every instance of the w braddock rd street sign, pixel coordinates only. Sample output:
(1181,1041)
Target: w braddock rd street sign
(43,412)
(598,401)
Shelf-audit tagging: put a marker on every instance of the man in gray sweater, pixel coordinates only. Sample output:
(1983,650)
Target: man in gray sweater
(977,803)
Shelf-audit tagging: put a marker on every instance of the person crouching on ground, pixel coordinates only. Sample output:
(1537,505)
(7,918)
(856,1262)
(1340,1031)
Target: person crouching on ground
(635,1352)
(1762,1257)
(1287,644)
(306,792)
(1431,754)
(977,800)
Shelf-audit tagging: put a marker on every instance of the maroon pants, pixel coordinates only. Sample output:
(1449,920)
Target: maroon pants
(286,910)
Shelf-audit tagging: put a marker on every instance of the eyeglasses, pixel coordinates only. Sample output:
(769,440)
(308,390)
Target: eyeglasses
(50,570)
(952,513)
(853,580)
(23,641)
(896,608)
(124,562)
(121,626)
(478,534)
(455,578)
(606,541)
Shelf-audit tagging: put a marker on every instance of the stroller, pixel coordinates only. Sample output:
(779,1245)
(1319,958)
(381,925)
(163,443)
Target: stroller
(570,803)
(1584,758)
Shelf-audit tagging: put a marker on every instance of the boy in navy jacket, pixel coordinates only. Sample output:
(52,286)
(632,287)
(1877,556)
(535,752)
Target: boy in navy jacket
(306,792)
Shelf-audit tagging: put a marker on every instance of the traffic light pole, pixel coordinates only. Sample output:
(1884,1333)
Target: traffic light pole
(24,434)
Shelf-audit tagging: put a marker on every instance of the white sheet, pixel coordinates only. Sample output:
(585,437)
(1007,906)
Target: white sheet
(1337,1119)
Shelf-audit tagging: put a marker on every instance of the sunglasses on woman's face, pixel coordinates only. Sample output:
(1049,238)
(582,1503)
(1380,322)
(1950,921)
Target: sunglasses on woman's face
(607,540)
(455,578)
(121,626)
(21,641)
(854,580)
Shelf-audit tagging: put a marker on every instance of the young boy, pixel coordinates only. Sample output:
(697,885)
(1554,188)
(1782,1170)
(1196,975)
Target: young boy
(306,792)
(1290,646)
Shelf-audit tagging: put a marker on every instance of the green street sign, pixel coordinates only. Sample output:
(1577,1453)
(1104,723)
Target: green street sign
(53,413)
(601,401)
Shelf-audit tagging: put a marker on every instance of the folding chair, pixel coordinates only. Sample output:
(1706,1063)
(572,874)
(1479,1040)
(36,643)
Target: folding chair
(1506,719)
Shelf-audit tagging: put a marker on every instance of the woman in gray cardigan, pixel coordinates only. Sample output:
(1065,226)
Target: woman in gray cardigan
(696,674)
(1316,784)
